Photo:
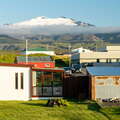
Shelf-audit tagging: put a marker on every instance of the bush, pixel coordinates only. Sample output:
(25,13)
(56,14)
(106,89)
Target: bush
(57,102)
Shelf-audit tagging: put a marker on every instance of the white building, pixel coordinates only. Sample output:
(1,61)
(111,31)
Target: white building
(25,82)
(80,50)
(112,54)
(38,51)
(15,82)
(113,48)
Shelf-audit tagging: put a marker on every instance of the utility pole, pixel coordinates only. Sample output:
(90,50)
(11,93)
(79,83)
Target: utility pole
(96,47)
(47,46)
(69,47)
(26,51)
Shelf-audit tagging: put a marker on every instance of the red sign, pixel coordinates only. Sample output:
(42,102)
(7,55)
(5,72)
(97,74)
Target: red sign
(40,64)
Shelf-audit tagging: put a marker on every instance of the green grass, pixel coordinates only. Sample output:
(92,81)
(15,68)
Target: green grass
(36,110)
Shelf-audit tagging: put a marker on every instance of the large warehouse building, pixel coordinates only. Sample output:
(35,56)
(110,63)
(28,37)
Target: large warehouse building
(112,54)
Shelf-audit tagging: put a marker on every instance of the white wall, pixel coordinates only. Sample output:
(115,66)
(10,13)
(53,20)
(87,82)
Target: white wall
(7,83)
(88,57)
(40,52)
(113,48)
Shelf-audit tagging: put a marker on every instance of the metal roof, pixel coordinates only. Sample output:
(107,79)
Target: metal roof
(15,65)
(104,71)
(37,49)
(34,58)
(49,69)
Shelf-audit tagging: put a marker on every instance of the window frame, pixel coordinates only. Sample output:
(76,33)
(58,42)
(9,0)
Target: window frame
(22,80)
(16,80)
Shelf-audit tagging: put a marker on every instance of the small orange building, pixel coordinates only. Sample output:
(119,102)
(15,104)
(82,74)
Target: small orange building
(37,62)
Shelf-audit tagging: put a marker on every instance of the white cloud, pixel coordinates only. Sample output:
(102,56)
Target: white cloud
(55,29)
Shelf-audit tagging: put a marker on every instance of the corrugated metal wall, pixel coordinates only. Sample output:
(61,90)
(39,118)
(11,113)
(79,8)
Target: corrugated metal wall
(107,87)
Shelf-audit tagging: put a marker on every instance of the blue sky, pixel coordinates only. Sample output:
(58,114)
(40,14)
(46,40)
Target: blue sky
(97,12)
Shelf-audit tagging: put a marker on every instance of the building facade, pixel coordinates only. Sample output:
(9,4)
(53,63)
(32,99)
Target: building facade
(113,48)
(96,57)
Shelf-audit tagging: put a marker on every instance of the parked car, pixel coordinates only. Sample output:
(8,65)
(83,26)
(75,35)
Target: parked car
(69,70)
(77,67)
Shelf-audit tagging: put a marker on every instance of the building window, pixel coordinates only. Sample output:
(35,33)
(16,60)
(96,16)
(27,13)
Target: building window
(83,50)
(39,78)
(47,65)
(57,79)
(106,60)
(110,60)
(16,80)
(22,80)
(48,79)
(98,60)
(117,60)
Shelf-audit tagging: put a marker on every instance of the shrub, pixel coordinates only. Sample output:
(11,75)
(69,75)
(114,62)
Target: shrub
(57,102)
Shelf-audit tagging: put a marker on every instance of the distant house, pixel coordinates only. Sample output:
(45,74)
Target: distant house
(37,61)
(38,51)
(80,50)
(104,82)
(26,82)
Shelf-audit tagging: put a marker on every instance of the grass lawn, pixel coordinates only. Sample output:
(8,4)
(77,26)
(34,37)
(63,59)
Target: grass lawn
(36,110)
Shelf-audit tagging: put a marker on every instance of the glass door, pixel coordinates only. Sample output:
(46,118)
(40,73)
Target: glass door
(47,84)
(57,84)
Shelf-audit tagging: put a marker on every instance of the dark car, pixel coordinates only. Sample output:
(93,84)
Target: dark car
(77,68)
(69,70)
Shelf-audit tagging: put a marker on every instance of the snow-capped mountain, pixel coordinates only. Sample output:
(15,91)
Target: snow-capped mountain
(62,29)
(53,26)
(44,21)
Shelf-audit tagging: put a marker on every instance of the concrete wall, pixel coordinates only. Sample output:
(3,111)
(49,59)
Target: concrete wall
(7,83)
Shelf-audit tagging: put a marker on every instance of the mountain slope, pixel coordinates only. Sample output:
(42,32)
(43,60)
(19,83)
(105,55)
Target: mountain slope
(8,39)
(110,37)
(60,42)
